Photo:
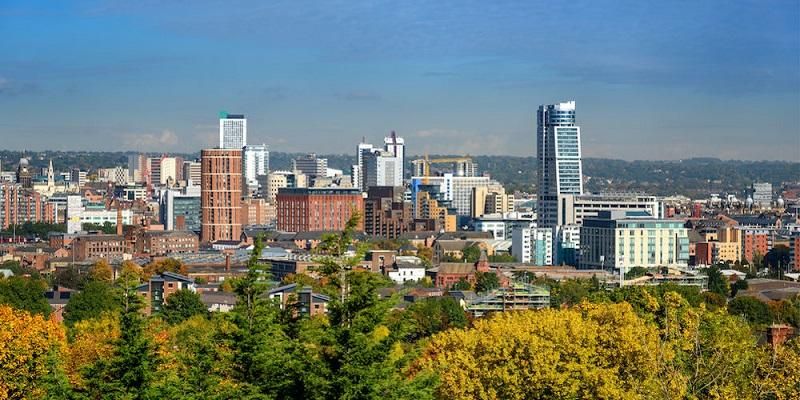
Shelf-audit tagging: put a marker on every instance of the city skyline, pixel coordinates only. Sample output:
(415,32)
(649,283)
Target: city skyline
(667,81)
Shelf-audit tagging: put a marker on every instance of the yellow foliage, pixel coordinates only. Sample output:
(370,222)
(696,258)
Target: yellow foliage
(93,340)
(27,343)
(597,351)
(379,333)
(101,271)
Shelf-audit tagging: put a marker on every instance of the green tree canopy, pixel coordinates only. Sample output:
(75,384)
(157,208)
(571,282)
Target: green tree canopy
(25,293)
(95,298)
(182,305)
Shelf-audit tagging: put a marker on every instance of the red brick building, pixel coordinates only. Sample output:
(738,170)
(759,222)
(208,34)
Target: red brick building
(703,254)
(164,243)
(19,205)
(794,251)
(385,213)
(92,247)
(754,241)
(317,209)
(220,194)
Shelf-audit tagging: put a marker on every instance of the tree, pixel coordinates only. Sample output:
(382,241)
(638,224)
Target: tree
(24,293)
(635,272)
(425,253)
(593,351)
(716,281)
(31,349)
(471,254)
(101,271)
(777,258)
(486,281)
(434,315)
(128,373)
(92,341)
(502,258)
(740,284)
(752,309)
(164,265)
(71,278)
(462,284)
(182,305)
(95,299)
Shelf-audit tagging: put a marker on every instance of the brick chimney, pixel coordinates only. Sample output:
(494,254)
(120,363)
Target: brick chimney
(227,263)
(778,334)
(119,220)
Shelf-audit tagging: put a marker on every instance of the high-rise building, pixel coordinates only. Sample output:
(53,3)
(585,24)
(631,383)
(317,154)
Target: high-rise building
(490,200)
(220,194)
(457,189)
(311,165)
(256,163)
(78,177)
(19,205)
(378,167)
(317,209)
(192,172)
(137,165)
(232,131)
(25,174)
(430,203)
(558,153)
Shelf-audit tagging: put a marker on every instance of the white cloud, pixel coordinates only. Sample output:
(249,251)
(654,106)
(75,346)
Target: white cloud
(166,140)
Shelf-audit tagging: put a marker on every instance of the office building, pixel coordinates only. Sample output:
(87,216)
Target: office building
(429,203)
(627,239)
(258,212)
(311,165)
(256,163)
(380,167)
(93,247)
(558,159)
(277,180)
(573,209)
(501,225)
(457,189)
(78,177)
(490,200)
(386,214)
(180,209)
(166,243)
(761,193)
(317,209)
(220,194)
(567,242)
(191,172)
(232,131)
(533,245)
(137,167)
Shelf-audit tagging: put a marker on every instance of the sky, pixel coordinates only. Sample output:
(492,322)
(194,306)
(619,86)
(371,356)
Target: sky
(652,80)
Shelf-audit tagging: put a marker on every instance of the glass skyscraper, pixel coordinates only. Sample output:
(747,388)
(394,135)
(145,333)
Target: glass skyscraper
(558,153)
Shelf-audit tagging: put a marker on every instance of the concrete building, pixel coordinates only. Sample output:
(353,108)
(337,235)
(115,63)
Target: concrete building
(221,194)
(256,163)
(386,214)
(457,189)
(232,131)
(502,225)
(533,245)
(378,167)
(317,209)
(180,209)
(560,170)
(761,193)
(573,209)
(258,212)
(192,172)
(137,167)
(311,165)
(277,180)
(627,239)
(429,203)
(490,200)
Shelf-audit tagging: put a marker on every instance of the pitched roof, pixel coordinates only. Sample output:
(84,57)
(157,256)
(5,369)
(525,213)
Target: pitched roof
(455,268)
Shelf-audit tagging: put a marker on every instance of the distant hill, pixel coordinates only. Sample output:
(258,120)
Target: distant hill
(692,177)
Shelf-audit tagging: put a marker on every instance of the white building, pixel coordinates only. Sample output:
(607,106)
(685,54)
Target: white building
(256,163)
(192,172)
(559,159)
(502,225)
(533,245)
(627,239)
(457,189)
(232,131)
(168,171)
(407,269)
(573,209)
(378,167)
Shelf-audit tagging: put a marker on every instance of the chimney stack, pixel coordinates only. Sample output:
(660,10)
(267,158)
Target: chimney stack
(119,220)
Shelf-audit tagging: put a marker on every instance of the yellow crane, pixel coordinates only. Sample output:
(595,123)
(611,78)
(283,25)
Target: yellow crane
(424,164)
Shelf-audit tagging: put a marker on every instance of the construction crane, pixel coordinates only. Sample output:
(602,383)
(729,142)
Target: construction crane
(424,164)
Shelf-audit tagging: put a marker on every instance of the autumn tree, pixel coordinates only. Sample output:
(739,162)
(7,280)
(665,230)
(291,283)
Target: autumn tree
(31,350)
(164,265)
(101,271)
(593,351)
(92,341)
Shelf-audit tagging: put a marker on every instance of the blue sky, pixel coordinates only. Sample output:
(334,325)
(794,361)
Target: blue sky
(652,80)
